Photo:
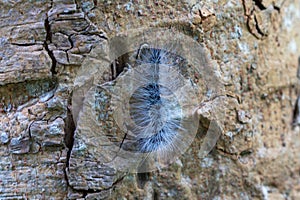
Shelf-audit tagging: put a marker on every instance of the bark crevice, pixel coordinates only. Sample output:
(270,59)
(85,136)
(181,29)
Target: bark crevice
(46,45)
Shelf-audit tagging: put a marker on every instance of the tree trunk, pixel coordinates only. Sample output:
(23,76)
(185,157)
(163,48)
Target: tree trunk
(252,46)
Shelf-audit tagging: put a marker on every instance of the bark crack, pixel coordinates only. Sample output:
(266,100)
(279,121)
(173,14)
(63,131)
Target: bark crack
(23,44)
(69,138)
(47,42)
(259,4)
(258,28)
(69,132)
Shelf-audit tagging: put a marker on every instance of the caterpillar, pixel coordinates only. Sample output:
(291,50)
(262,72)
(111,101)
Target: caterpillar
(153,99)
(153,107)
(146,115)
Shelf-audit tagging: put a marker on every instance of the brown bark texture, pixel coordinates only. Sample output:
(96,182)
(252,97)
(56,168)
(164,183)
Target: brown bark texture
(253,46)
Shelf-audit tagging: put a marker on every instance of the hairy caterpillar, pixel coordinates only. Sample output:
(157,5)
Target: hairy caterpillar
(154,108)
(146,116)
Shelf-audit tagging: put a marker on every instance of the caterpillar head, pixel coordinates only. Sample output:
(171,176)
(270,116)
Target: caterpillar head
(148,113)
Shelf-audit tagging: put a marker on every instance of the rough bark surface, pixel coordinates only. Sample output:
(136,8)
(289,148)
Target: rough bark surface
(254,45)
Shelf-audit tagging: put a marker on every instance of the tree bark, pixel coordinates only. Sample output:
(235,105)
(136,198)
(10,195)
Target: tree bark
(253,46)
